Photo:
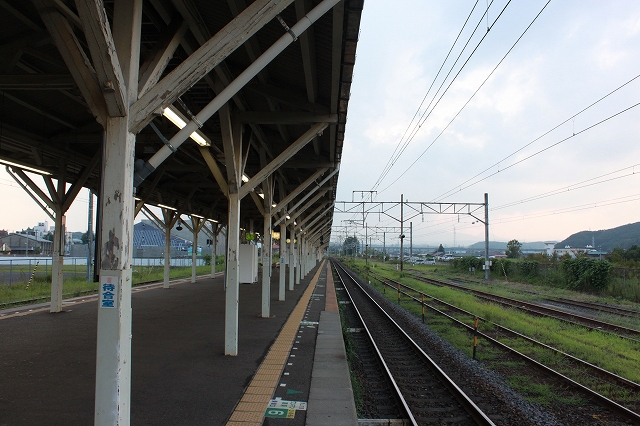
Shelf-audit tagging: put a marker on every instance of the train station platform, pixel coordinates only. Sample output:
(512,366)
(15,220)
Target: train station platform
(290,368)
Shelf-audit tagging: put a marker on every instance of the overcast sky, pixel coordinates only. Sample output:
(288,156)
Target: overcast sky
(575,53)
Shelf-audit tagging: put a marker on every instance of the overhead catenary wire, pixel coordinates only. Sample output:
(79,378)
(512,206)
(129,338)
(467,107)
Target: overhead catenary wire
(552,145)
(393,158)
(428,111)
(579,185)
(459,187)
(469,100)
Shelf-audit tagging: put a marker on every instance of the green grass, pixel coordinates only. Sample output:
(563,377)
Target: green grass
(40,288)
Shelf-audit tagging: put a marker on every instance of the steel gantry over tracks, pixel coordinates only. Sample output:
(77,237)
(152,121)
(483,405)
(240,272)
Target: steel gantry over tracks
(389,209)
(232,112)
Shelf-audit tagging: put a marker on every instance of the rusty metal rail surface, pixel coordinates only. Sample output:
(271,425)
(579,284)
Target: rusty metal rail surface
(620,331)
(597,307)
(611,377)
(412,371)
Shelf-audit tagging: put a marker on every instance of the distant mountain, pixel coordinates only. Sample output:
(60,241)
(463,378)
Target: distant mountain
(606,239)
(498,245)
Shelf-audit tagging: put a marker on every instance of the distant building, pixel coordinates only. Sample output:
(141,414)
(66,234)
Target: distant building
(30,245)
(41,229)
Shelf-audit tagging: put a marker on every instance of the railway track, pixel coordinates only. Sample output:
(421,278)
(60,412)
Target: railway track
(536,309)
(426,393)
(609,379)
(599,307)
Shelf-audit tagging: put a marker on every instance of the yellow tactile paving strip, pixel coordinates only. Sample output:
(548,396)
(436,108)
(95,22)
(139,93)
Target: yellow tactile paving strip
(93,297)
(250,410)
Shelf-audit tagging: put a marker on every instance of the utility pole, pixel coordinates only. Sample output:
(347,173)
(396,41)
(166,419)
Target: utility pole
(411,242)
(366,246)
(384,245)
(487,264)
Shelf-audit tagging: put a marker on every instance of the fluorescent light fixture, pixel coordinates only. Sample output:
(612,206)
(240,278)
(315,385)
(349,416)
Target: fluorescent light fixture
(197,215)
(273,206)
(137,199)
(23,167)
(176,118)
(288,217)
(245,178)
(213,220)
(261,196)
(167,207)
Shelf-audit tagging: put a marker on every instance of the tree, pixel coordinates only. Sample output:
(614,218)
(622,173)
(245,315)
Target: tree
(351,246)
(513,249)
(440,249)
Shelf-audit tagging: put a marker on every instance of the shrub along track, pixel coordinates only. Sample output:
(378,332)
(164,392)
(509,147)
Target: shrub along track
(591,376)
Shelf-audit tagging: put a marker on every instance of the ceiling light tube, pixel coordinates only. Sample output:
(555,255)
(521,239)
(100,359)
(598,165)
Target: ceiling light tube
(167,207)
(176,118)
(25,168)
(212,220)
(245,178)
(198,216)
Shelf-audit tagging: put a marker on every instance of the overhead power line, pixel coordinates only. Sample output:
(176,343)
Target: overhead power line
(460,187)
(579,185)
(469,100)
(400,145)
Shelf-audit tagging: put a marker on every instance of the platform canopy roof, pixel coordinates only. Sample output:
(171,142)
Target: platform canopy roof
(56,87)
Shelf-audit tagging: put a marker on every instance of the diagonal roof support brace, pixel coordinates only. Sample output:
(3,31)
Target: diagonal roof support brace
(309,194)
(305,207)
(203,60)
(313,222)
(310,216)
(291,150)
(233,88)
(293,194)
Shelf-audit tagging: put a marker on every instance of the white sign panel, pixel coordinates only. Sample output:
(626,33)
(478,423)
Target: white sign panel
(109,292)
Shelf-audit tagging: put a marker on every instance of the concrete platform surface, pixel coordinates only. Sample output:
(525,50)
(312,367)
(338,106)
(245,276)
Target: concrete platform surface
(180,375)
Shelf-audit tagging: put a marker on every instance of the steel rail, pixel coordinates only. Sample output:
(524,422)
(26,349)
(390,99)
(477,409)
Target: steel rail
(599,370)
(597,307)
(541,310)
(620,409)
(472,409)
(375,347)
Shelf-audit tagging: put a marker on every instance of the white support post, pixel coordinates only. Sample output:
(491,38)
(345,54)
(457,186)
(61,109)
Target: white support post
(113,360)
(57,262)
(167,253)
(113,363)
(214,250)
(297,256)
(292,263)
(232,277)
(194,250)
(266,262)
(283,264)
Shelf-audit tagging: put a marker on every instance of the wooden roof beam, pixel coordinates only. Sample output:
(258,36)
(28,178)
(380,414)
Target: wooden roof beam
(152,69)
(75,58)
(203,60)
(97,31)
